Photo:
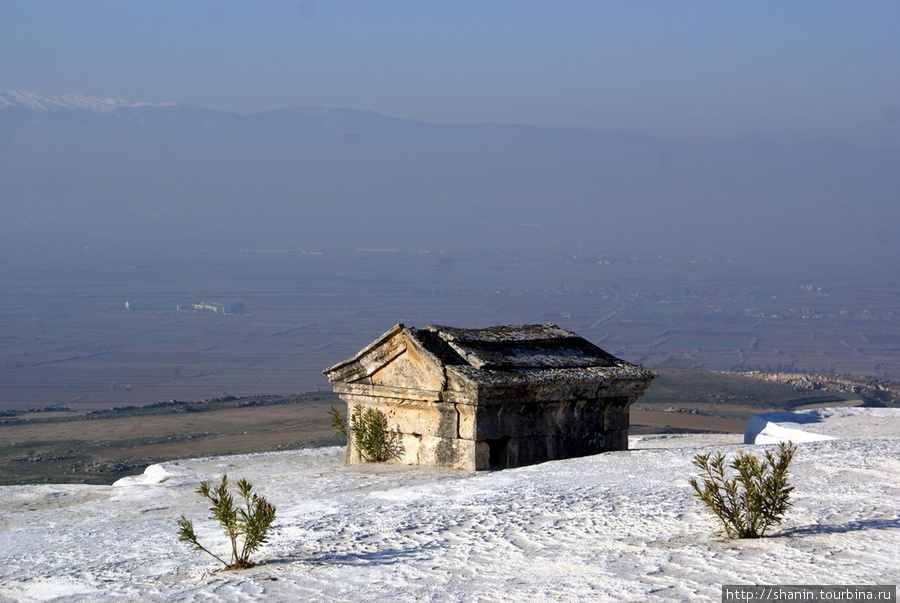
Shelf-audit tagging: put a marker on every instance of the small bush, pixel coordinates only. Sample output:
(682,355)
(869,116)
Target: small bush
(368,432)
(245,527)
(752,501)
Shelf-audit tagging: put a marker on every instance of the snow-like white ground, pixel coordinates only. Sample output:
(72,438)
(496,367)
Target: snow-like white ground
(619,526)
(821,424)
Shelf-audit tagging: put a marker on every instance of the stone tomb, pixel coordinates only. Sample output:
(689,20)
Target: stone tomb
(497,397)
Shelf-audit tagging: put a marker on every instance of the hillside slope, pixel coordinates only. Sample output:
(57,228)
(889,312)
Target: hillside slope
(617,526)
(79,171)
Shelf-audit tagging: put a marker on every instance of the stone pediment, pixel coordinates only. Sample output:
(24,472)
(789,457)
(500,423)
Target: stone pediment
(409,370)
(394,360)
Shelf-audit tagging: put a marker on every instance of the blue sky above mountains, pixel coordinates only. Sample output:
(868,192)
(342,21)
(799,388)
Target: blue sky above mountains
(692,71)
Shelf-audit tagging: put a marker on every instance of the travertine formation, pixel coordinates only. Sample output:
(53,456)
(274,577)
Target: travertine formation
(502,396)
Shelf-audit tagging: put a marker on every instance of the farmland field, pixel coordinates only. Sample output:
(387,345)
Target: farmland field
(104,446)
(67,340)
(100,447)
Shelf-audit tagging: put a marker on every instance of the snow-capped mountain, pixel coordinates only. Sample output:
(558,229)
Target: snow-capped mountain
(41,103)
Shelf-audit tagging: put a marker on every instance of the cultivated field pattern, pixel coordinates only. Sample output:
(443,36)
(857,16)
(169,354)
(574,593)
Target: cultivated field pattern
(67,340)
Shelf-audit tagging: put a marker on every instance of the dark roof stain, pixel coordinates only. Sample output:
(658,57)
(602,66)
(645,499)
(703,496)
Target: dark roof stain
(511,347)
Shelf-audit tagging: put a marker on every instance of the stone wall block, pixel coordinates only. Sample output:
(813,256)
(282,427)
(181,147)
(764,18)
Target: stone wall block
(482,457)
(449,452)
(409,448)
(617,414)
(428,418)
(617,439)
(466,417)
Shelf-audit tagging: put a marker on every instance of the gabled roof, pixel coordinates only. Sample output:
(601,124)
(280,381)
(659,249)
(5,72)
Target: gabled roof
(494,355)
(511,347)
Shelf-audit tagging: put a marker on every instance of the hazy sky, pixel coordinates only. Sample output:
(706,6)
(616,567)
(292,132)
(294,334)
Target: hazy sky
(784,69)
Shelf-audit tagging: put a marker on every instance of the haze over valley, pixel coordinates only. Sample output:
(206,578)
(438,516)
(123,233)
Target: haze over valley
(693,186)
(317,229)
(137,178)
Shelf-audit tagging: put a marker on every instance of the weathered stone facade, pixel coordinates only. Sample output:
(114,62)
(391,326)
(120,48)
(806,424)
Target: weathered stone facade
(503,396)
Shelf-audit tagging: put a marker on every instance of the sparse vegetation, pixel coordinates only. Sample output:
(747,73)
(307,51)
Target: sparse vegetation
(100,448)
(367,430)
(245,526)
(752,501)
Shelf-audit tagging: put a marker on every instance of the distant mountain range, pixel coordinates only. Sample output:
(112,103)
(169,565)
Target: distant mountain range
(40,103)
(81,171)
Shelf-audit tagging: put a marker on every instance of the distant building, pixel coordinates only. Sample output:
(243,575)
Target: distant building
(169,306)
(214,307)
(502,396)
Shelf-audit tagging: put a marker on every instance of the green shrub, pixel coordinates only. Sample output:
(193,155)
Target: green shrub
(368,432)
(245,527)
(752,501)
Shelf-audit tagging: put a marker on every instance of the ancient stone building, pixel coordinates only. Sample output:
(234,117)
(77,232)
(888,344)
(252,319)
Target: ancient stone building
(503,396)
